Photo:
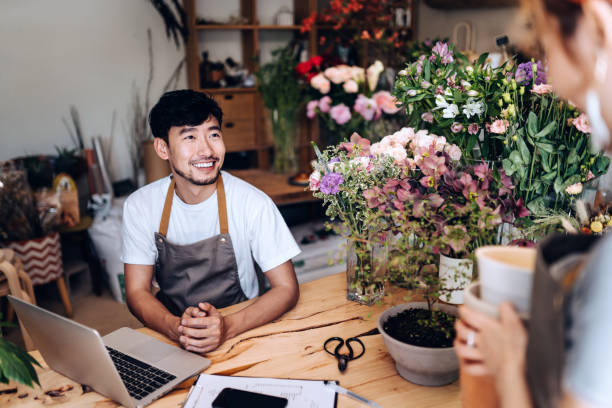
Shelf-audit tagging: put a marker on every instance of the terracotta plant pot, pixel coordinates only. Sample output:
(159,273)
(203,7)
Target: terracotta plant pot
(421,365)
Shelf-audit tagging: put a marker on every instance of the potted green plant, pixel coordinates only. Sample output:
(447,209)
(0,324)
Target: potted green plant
(16,364)
(282,96)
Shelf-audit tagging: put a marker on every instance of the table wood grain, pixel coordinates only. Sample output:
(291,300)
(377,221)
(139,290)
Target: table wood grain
(290,347)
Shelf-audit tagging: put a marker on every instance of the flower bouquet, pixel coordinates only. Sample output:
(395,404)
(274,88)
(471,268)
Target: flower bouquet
(347,98)
(439,207)
(341,175)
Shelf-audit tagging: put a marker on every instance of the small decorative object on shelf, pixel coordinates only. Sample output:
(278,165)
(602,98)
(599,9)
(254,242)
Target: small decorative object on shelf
(284,17)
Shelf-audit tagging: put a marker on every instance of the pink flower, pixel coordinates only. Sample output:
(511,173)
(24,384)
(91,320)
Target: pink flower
(574,189)
(386,102)
(311,109)
(340,113)
(590,176)
(398,154)
(427,117)
(366,107)
(442,50)
(582,123)
(499,126)
(314,180)
(356,141)
(339,74)
(456,127)
(320,83)
(350,86)
(542,89)
(473,128)
(440,142)
(454,152)
(324,103)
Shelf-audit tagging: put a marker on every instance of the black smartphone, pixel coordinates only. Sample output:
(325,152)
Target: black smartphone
(233,398)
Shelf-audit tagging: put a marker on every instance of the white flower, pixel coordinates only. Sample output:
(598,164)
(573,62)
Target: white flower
(450,112)
(448,92)
(466,84)
(423,140)
(360,162)
(373,72)
(440,142)
(403,72)
(454,152)
(469,69)
(473,108)
(472,92)
(441,102)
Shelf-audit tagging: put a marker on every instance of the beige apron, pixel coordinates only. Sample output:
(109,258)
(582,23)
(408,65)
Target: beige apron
(205,271)
(560,260)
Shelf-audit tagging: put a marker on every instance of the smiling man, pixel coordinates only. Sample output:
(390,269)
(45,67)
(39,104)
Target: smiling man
(199,232)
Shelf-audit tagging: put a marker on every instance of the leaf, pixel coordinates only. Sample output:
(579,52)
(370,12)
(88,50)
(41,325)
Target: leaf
(532,124)
(549,177)
(508,167)
(572,156)
(547,147)
(515,157)
(471,143)
(482,59)
(525,154)
(427,70)
(547,130)
(571,180)
(16,364)
(601,164)
(537,206)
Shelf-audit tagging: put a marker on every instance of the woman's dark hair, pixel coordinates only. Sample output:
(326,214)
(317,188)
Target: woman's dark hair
(182,108)
(567,12)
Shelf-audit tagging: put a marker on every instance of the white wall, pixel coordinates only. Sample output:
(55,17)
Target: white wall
(87,53)
(488,23)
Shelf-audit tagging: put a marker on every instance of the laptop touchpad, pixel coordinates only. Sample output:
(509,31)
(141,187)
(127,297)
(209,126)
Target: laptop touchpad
(150,351)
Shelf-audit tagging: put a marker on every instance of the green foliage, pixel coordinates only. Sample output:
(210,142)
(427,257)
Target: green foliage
(15,363)
(278,83)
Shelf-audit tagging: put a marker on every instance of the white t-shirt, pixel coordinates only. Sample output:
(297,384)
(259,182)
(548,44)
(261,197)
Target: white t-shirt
(255,227)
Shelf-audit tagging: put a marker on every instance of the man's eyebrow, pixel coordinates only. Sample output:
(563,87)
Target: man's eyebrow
(214,127)
(186,130)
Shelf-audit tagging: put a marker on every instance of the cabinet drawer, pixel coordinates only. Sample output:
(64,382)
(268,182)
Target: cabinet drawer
(237,105)
(239,134)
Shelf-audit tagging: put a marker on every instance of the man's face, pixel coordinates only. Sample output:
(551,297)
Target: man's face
(196,153)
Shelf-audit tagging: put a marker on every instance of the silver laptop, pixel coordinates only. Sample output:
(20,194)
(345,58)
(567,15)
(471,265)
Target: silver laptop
(127,366)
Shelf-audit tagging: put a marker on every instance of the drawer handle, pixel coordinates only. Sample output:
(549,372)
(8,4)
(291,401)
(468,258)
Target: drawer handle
(228,97)
(229,125)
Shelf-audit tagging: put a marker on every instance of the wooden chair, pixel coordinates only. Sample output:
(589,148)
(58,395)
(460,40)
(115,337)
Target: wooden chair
(14,281)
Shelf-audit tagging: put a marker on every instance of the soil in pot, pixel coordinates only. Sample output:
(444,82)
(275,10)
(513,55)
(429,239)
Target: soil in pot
(412,326)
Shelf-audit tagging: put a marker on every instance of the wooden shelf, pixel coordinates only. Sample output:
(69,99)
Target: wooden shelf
(276,186)
(225,27)
(227,90)
(279,27)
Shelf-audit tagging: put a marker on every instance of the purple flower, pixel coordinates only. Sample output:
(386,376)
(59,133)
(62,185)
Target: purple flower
(324,104)
(473,128)
(340,113)
(443,51)
(456,127)
(525,73)
(366,107)
(427,117)
(330,183)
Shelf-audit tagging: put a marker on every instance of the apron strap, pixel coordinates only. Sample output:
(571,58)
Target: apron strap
(223,227)
(221,204)
(165,219)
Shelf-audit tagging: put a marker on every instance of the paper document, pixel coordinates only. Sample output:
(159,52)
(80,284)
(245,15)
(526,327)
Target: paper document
(299,393)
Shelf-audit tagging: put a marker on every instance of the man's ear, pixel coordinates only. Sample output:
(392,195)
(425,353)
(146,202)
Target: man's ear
(161,148)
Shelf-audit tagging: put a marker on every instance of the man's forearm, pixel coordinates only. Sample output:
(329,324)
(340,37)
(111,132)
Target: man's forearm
(153,314)
(266,308)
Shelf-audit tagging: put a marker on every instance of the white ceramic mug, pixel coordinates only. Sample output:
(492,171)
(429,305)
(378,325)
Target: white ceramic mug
(506,275)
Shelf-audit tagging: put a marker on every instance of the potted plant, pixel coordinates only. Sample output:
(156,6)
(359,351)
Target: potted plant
(341,175)
(282,96)
(435,207)
(16,364)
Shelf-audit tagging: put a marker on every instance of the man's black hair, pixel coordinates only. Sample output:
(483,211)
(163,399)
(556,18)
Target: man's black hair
(182,108)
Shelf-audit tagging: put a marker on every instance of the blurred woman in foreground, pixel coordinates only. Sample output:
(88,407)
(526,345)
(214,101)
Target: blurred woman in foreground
(566,358)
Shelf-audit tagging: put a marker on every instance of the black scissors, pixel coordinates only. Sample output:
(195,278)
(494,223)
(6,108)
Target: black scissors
(344,358)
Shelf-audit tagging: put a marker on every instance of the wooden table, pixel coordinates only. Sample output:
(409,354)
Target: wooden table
(276,186)
(290,347)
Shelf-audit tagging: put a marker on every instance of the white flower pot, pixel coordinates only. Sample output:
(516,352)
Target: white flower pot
(455,274)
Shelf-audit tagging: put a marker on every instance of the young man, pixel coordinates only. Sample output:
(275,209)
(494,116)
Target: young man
(198,232)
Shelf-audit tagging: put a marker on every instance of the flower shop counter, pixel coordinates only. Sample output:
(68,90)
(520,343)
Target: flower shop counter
(290,347)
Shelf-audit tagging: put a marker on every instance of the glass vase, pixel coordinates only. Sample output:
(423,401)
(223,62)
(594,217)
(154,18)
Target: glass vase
(284,130)
(366,270)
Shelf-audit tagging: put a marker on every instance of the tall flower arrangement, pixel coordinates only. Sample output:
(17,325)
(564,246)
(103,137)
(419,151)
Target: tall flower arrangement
(506,116)
(347,98)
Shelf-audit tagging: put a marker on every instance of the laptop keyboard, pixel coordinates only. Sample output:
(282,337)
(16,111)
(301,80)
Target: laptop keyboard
(140,378)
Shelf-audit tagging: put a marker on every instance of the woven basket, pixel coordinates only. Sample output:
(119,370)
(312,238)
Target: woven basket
(41,257)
